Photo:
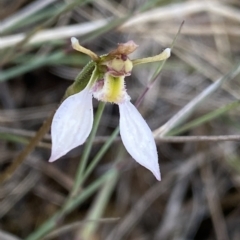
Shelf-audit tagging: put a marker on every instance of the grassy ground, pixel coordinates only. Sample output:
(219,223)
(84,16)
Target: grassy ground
(192,108)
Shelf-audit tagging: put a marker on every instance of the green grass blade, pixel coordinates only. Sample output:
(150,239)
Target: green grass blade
(205,118)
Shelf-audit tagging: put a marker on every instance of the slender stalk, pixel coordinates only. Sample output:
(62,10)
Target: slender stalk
(158,70)
(100,154)
(99,205)
(87,149)
(54,220)
(74,200)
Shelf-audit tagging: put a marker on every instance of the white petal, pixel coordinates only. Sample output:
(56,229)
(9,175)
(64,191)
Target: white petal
(72,123)
(137,138)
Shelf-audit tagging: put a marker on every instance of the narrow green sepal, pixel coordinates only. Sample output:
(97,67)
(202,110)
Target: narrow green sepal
(88,75)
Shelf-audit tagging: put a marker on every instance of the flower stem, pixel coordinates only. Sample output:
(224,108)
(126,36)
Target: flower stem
(100,154)
(99,205)
(87,149)
(68,207)
(75,200)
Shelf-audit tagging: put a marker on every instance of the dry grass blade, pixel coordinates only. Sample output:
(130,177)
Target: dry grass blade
(76,225)
(29,148)
(21,132)
(22,189)
(7,236)
(52,172)
(182,10)
(174,205)
(184,113)
(214,203)
(23,13)
(182,139)
(49,195)
(54,34)
(140,207)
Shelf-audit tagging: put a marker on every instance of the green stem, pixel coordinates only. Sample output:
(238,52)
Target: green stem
(74,200)
(100,154)
(54,220)
(87,149)
(102,199)
(99,205)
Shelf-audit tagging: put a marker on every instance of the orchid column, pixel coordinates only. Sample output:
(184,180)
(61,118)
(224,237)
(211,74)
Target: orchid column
(73,120)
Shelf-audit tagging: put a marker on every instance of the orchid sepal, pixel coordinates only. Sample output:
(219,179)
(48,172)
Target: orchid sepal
(72,123)
(138,138)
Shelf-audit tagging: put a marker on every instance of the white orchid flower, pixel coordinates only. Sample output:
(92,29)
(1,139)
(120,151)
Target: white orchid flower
(73,120)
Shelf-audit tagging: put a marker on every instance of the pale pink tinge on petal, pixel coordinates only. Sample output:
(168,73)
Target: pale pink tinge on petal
(137,138)
(72,123)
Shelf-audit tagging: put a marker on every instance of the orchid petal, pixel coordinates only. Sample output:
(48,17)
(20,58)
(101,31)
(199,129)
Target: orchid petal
(72,123)
(137,138)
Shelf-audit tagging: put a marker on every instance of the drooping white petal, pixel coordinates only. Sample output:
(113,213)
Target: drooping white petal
(72,123)
(137,138)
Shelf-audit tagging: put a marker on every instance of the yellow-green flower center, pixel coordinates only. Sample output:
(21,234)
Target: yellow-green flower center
(114,86)
(113,90)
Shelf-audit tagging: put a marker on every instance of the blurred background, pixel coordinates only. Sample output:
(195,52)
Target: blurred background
(199,195)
